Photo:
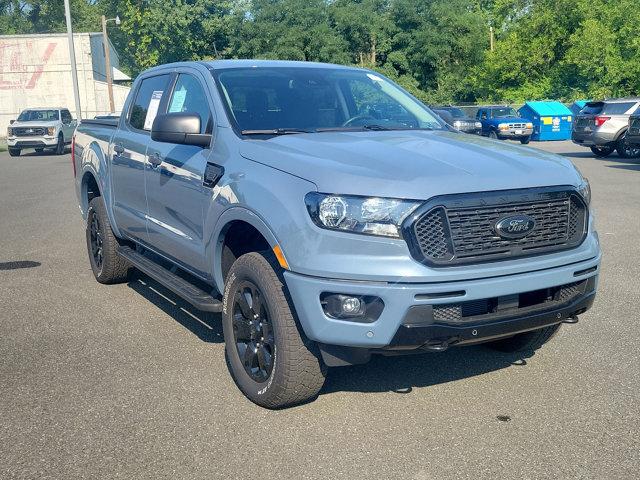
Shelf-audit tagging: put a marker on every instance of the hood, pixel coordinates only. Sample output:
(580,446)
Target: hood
(409,164)
(35,123)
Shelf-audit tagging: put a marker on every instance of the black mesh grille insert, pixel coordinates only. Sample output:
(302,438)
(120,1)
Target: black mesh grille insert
(465,232)
(634,127)
(493,308)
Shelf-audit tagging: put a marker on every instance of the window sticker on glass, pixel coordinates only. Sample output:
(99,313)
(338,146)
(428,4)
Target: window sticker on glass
(177,102)
(152,111)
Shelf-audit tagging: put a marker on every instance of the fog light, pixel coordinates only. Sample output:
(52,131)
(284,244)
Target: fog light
(356,308)
(351,305)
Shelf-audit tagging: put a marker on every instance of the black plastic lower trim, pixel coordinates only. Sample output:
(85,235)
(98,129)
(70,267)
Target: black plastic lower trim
(415,336)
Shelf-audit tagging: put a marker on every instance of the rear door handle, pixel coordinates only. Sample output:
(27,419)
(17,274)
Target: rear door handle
(119,149)
(155,159)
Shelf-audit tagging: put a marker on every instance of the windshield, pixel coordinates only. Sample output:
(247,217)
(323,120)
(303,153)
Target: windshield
(305,99)
(503,112)
(455,112)
(31,115)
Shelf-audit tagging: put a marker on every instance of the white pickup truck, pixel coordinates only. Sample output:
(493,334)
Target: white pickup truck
(41,128)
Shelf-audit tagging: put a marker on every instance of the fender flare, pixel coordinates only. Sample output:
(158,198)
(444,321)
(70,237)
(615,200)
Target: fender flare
(94,162)
(235,213)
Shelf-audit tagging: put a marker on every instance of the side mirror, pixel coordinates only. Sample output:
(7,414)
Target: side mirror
(179,127)
(11,122)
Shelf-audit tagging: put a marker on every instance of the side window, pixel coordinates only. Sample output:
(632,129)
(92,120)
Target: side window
(66,116)
(188,96)
(145,106)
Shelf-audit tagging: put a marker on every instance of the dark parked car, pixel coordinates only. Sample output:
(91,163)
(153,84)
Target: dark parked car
(460,120)
(602,126)
(633,134)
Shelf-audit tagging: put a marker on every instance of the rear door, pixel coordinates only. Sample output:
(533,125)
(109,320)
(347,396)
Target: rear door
(176,195)
(128,155)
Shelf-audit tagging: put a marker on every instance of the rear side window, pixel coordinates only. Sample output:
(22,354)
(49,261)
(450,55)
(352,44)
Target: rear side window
(147,101)
(188,96)
(617,108)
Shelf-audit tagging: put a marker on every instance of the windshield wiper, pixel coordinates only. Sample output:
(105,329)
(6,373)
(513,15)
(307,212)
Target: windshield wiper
(356,128)
(276,131)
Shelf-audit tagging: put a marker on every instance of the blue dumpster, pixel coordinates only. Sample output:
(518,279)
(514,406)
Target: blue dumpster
(551,120)
(577,106)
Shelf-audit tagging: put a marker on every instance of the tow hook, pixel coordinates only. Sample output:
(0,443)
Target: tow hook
(442,345)
(571,320)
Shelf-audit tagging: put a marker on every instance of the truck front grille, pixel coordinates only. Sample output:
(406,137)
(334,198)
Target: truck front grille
(28,131)
(461,229)
(634,127)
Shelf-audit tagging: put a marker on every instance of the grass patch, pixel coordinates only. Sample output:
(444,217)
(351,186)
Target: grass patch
(3,146)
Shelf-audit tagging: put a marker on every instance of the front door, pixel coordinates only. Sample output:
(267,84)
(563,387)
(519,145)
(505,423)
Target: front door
(176,196)
(129,156)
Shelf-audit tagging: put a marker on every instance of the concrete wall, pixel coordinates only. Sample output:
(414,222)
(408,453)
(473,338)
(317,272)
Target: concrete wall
(35,71)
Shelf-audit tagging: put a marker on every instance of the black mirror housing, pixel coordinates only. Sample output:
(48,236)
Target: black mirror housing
(179,127)
(11,122)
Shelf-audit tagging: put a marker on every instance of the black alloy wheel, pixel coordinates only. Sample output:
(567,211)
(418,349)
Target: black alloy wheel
(96,242)
(253,331)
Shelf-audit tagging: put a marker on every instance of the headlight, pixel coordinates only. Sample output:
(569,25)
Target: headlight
(457,124)
(585,190)
(51,131)
(529,125)
(368,215)
(503,126)
(9,132)
(478,125)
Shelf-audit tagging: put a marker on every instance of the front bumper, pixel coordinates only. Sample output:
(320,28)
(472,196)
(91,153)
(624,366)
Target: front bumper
(32,142)
(515,133)
(399,298)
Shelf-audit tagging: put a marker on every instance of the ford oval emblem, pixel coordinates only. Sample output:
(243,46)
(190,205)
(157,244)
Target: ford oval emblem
(515,226)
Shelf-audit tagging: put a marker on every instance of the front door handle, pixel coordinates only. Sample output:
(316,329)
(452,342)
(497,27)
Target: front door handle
(119,149)
(155,159)
(212,175)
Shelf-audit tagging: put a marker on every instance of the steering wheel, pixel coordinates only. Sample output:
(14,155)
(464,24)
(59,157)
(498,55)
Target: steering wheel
(362,116)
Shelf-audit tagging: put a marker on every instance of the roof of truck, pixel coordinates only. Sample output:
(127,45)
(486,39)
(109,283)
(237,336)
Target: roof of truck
(220,64)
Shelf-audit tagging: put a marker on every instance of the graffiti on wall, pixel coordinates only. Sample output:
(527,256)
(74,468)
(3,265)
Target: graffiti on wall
(23,74)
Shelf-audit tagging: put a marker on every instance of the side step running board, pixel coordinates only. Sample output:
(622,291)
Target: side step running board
(181,287)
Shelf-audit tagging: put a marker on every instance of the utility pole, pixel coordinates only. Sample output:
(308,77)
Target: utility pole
(72,55)
(491,37)
(107,61)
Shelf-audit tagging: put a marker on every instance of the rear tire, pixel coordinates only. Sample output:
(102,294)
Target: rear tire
(108,267)
(268,354)
(14,152)
(624,149)
(525,341)
(602,150)
(525,140)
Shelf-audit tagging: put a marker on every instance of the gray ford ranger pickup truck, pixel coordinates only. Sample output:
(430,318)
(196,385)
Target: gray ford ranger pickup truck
(329,215)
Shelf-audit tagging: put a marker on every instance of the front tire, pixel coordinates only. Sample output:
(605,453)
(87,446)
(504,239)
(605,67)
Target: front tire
(59,150)
(14,152)
(108,267)
(525,140)
(526,341)
(602,150)
(268,354)
(493,135)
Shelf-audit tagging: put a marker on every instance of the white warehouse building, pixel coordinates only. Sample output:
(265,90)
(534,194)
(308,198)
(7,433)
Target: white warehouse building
(35,71)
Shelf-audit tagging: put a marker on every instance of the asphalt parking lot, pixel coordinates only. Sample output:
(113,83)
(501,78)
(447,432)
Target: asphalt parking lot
(128,381)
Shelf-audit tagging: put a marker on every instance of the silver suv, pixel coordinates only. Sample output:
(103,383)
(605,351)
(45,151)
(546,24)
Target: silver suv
(602,126)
